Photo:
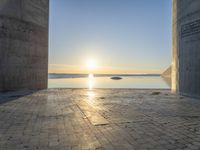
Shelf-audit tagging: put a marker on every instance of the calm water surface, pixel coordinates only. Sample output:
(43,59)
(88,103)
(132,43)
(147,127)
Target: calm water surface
(147,82)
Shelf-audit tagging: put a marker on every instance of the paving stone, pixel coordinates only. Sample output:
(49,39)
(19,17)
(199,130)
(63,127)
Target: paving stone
(102,119)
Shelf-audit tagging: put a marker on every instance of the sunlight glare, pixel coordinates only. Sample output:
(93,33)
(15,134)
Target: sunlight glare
(91,64)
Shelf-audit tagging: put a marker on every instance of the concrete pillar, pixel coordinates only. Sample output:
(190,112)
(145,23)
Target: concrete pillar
(186,47)
(23,44)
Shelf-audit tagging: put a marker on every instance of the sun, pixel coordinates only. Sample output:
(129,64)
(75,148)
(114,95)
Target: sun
(91,64)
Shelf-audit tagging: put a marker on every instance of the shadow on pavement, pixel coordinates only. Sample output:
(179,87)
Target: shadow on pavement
(6,97)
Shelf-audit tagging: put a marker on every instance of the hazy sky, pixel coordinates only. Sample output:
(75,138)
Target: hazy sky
(123,36)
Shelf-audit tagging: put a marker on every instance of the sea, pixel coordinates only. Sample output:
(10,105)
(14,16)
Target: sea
(92,81)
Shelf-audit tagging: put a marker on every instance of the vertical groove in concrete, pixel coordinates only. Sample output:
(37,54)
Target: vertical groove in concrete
(23,44)
(186,47)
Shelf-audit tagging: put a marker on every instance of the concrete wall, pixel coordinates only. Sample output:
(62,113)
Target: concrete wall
(23,44)
(186,47)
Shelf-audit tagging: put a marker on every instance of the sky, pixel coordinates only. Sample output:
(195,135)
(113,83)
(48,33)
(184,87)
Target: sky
(120,36)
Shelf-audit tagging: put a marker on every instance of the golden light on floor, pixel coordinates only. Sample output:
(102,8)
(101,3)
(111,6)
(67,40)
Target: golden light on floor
(91,96)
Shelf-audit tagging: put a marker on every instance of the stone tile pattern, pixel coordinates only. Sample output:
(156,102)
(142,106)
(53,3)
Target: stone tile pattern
(102,119)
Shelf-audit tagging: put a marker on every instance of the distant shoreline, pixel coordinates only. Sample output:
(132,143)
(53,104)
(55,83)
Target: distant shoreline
(64,75)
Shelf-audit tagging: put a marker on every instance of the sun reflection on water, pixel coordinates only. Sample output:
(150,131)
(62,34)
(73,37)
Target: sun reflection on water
(90,92)
(90,81)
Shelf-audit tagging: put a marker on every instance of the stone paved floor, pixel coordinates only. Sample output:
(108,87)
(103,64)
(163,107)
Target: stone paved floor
(99,119)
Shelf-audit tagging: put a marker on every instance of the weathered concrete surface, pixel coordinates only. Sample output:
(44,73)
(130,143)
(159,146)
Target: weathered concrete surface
(99,119)
(23,44)
(186,47)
